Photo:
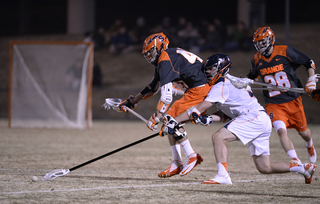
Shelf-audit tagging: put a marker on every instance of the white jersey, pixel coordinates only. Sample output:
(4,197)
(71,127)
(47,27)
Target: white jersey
(250,122)
(231,100)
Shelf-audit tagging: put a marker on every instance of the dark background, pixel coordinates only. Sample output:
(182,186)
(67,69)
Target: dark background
(50,16)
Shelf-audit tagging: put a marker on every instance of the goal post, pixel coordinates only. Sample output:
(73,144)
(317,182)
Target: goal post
(50,84)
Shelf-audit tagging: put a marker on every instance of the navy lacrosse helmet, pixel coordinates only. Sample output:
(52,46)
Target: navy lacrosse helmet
(217,66)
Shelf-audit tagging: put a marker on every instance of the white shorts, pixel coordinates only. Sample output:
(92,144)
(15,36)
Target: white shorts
(253,128)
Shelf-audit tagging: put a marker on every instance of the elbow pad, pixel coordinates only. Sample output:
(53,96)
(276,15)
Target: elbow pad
(310,64)
(166,98)
(166,93)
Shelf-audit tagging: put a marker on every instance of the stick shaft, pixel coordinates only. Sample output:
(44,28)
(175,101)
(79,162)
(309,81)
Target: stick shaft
(280,87)
(114,151)
(276,88)
(137,115)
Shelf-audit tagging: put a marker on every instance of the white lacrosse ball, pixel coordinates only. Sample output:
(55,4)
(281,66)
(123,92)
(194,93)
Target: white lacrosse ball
(34,178)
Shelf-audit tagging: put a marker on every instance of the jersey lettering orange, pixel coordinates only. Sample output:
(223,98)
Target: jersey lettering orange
(270,70)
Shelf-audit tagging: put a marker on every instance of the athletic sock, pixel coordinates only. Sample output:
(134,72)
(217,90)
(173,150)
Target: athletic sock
(309,143)
(176,152)
(292,154)
(222,168)
(188,150)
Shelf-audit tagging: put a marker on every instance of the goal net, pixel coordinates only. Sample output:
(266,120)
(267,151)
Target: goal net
(50,84)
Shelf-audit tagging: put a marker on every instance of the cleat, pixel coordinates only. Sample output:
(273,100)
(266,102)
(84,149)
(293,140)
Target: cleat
(191,162)
(312,154)
(307,170)
(219,179)
(172,170)
(295,162)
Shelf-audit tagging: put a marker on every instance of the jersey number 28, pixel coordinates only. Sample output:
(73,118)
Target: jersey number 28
(279,79)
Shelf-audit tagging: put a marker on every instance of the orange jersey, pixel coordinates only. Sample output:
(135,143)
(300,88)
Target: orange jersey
(279,69)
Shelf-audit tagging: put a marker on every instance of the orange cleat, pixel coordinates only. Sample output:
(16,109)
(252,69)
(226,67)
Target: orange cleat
(191,162)
(172,170)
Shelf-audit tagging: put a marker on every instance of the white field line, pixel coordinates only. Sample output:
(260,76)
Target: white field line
(135,186)
(98,188)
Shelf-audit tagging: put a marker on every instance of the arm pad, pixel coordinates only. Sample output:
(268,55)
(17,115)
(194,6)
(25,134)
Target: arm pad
(166,98)
(166,93)
(310,64)
(151,89)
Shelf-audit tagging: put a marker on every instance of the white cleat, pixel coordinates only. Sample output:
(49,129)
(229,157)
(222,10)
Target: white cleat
(219,179)
(312,154)
(190,164)
(307,170)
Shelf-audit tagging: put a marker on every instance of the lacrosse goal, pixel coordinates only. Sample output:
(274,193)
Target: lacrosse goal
(50,84)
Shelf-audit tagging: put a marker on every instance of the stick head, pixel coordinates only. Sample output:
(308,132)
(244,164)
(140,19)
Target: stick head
(112,103)
(55,173)
(239,82)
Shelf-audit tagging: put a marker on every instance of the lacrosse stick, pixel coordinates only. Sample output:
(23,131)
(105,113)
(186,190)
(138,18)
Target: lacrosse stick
(298,90)
(244,82)
(114,104)
(61,172)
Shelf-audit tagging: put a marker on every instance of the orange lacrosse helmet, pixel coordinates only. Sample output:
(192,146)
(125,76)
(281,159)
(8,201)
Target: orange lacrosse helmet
(153,46)
(263,40)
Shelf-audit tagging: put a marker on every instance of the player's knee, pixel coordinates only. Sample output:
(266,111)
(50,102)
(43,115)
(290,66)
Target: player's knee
(282,132)
(306,133)
(217,137)
(264,169)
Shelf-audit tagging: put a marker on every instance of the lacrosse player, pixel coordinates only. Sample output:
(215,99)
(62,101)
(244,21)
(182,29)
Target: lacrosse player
(250,124)
(172,65)
(277,64)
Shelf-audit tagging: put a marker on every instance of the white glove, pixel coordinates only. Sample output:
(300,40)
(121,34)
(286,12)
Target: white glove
(153,122)
(311,83)
(248,88)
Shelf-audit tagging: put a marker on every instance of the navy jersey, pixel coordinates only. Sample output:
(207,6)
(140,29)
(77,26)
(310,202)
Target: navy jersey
(279,69)
(175,65)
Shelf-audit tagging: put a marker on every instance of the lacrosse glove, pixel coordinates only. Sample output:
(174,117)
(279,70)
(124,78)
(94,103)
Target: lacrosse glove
(311,83)
(128,103)
(204,120)
(153,122)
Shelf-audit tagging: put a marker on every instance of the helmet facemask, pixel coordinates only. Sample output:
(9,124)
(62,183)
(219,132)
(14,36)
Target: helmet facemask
(217,67)
(263,40)
(151,55)
(213,73)
(153,46)
(263,46)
